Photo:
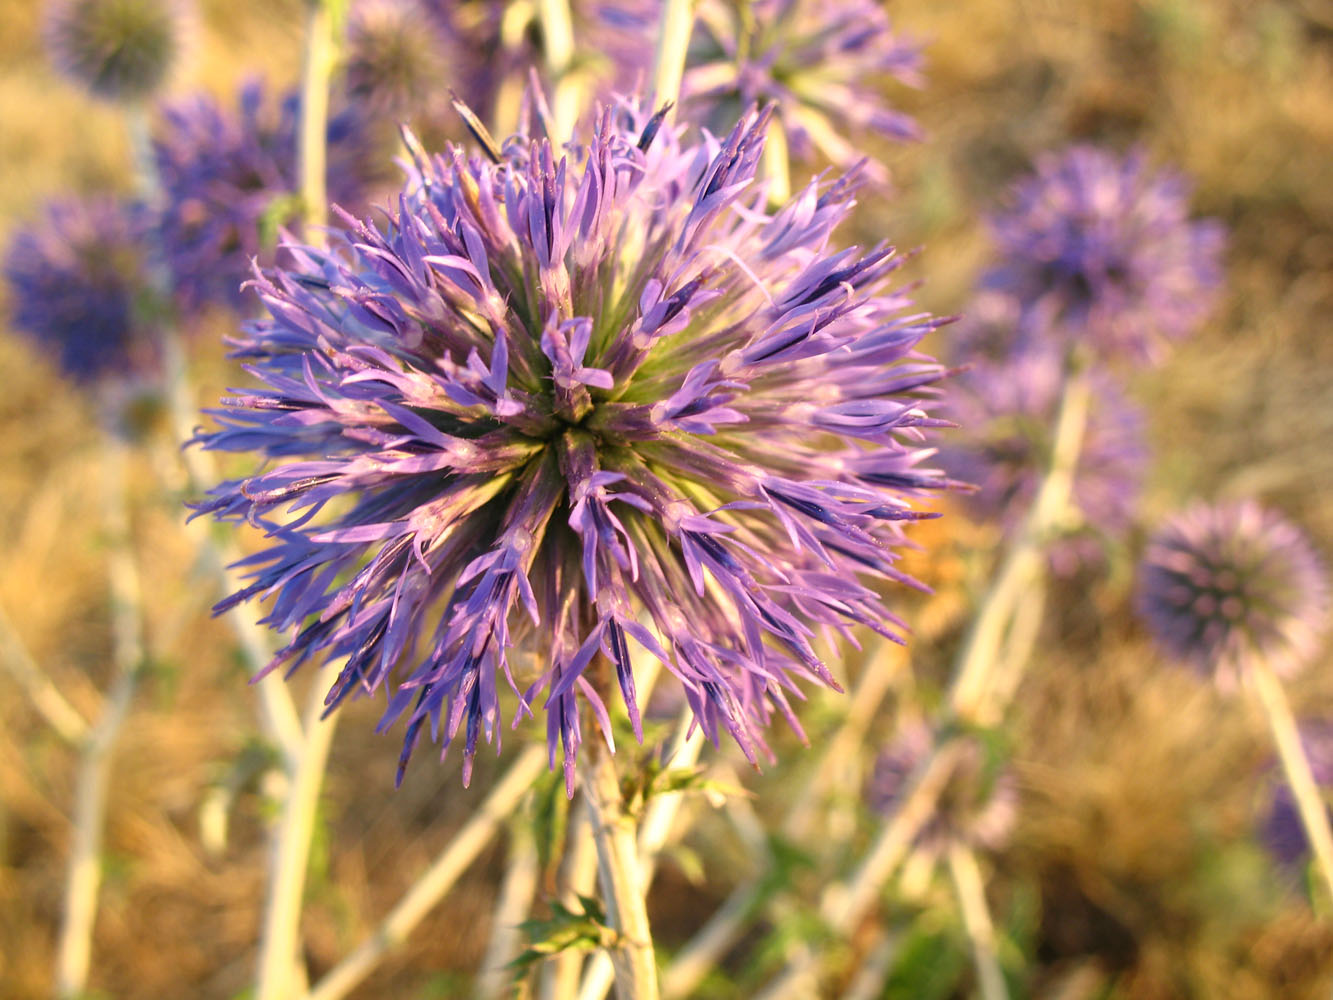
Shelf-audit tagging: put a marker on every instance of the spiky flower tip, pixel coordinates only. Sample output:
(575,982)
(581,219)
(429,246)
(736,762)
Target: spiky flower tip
(572,405)
(395,56)
(120,50)
(979,805)
(821,63)
(1103,248)
(1283,830)
(229,184)
(1006,412)
(79,281)
(1223,586)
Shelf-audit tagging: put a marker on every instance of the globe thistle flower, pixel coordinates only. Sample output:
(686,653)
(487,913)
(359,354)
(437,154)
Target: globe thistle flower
(79,281)
(229,179)
(820,63)
(1222,586)
(1283,832)
(572,405)
(1007,411)
(1103,249)
(397,58)
(978,807)
(120,50)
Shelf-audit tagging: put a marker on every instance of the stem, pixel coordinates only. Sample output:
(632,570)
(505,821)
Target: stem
(558,41)
(1023,565)
(312,154)
(577,877)
(777,163)
(435,881)
(703,951)
(1287,736)
(657,822)
(67,721)
(618,871)
(513,904)
(868,983)
(971,891)
(673,43)
(85,863)
(291,856)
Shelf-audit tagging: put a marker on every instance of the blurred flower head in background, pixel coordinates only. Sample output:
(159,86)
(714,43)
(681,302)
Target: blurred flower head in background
(1007,411)
(978,807)
(572,404)
(1102,249)
(396,58)
(821,64)
(1223,585)
(80,285)
(228,180)
(120,50)
(1283,831)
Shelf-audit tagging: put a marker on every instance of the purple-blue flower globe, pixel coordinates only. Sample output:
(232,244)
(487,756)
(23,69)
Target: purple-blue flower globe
(1102,248)
(571,405)
(1224,585)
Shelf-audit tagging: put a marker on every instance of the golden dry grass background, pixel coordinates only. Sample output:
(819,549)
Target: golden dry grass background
(1140,784)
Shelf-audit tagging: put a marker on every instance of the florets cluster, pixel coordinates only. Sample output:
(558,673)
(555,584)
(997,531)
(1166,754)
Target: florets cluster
(120,50)
(820,63)
(229,184)
(1104,249)
(1222,586)
(574,405)
(978,806)
(396,55)
(79,279)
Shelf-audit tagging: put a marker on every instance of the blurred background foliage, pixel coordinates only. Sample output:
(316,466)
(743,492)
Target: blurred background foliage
(1134,871)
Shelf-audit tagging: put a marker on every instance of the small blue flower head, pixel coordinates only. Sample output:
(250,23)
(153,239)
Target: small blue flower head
(1222,586)
(822,64)
(229,182)
(79,286)
(555,407)
(1283,830)
(119,50)
(1103,250)
(1006,410)
(979,805)
(396,59)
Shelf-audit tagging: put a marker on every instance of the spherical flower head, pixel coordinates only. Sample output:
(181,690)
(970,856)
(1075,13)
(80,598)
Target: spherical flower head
(1102,248)
(1007,411)
(1283,830)
(1224,586)
(820,63)
(229,183)
(120,50)
(397,59)
(979,805)
(574,406)
(79,281)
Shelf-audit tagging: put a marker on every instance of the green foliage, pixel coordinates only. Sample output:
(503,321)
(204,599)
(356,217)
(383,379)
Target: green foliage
(581,929)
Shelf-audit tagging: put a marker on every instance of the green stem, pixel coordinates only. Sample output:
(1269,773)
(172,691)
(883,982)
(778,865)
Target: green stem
(74,951)
(971,890)
(673,43)
(1309,802)
(613,831)
(312,153)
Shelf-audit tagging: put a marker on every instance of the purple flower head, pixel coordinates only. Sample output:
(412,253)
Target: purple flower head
(1223,585)
(1283,830)
(228,177)
(979,806)
(120,50)
(1103,249)
(398,60)
(79,282)
(820,63)
(577,405)
(1006,412)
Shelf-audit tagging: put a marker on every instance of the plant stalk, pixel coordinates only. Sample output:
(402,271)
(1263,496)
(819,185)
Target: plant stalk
(971,890)
(673,44)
